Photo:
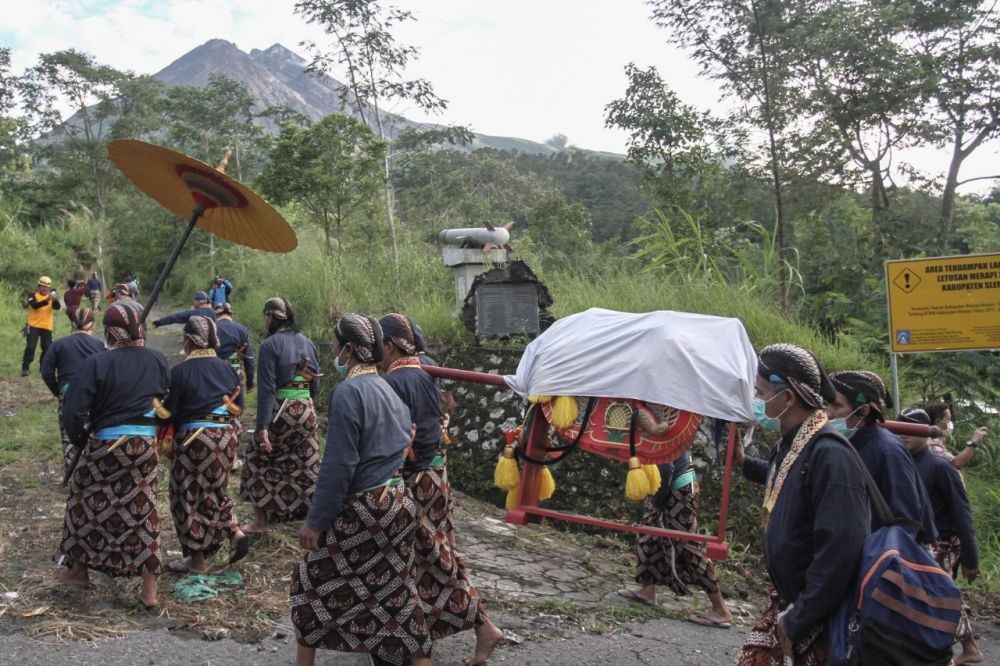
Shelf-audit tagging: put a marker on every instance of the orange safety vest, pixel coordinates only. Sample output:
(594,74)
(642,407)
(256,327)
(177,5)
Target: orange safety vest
(41,317)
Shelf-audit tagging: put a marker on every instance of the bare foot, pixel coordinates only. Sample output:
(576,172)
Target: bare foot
(254,528)
(487,638)
(68,576)
(970,655)
(637,596)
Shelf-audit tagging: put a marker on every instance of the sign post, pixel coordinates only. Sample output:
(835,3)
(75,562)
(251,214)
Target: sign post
(944,303)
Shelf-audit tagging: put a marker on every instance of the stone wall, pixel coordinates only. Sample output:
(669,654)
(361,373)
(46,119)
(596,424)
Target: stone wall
(585,483)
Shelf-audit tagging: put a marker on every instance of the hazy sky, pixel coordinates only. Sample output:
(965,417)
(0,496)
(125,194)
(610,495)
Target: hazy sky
(517,68)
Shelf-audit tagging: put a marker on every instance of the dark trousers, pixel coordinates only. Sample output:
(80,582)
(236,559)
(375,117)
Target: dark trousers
(29,346)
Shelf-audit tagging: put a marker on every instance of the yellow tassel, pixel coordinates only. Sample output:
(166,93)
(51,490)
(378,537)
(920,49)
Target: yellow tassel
(636,483)
(539,399)
(512,497)
(506,475)
(547,488)
(564,412)
(653,475)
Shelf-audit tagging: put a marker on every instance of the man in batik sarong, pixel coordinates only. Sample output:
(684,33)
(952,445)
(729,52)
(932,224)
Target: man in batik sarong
(282,464)
(111,522)
(956,544)
(813,532)
(450,601)
(672,562)
(235,349)
(204,393)
(353,589)
(62,361)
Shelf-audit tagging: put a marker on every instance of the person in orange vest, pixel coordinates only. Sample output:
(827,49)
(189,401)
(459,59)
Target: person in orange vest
(39,321)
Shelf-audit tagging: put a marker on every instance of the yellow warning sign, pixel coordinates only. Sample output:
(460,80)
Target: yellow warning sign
(944,303)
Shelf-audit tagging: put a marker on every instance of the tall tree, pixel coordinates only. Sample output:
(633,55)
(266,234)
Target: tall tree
(668,140)
(14,129)
(957,44)
(739,43)
(365,50)
(858,93)
(104,102)
(208,121)
(332,168)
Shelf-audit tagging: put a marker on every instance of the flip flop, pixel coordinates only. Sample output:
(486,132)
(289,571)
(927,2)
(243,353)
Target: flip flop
(239,549)
(181,567)
(705,621)
(632,595)
(139,605)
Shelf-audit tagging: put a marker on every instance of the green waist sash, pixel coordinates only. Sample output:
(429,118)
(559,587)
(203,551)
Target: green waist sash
(391,482)
(292,393)
(683,480)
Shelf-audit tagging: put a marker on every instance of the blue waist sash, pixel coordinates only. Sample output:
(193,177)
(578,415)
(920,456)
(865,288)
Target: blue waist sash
(126,430)
(129,429)
(194,425)
(683,480)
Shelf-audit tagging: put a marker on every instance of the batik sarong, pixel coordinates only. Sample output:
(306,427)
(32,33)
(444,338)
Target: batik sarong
(356,594)
(449,601)
(673,562)
(282,482)
(762,647)
(948,553)
(203,512)
(111,522)
(67,446)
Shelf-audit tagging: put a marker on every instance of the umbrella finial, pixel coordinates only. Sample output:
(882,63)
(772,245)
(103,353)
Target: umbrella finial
(224,162)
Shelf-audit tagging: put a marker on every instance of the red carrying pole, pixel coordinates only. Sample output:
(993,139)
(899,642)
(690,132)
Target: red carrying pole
(915,429)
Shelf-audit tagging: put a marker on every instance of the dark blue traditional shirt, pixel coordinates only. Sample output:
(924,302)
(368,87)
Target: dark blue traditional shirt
(64,357)
(893,471)
(367,432)
(113,388)
(813,541)
(182,316)
(952,513)
(233,335)
(277,364)
(197,386)
(420,393)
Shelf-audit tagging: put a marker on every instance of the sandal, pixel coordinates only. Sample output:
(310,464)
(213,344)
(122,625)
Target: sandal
(632,595)
(181,567)
(239,549)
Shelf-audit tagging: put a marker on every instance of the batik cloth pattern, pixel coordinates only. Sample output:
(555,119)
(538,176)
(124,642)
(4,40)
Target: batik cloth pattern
(449,600)
(672,562)
(356,594)
(111,522)
(947,553)
(282,482)
(67,445)
(204,514)
(762,647)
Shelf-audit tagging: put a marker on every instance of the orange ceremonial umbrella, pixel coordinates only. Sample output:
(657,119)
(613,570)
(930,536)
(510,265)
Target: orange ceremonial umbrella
(216,203)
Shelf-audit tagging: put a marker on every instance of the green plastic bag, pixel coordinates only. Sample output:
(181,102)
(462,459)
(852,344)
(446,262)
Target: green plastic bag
(202,587)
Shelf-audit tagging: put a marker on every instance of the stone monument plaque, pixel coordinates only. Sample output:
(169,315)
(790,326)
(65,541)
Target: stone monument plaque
(507,308)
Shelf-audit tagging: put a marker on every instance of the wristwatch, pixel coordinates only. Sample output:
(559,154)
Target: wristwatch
(971,444)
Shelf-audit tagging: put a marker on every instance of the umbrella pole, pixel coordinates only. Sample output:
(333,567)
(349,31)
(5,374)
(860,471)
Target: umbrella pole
(198,210)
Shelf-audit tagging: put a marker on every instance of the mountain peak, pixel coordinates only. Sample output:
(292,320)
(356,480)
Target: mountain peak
(278,53)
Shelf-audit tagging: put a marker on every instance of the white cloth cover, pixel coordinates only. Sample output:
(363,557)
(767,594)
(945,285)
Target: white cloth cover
(698,363)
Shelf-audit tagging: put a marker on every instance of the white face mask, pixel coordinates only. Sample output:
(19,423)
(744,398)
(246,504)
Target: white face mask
(949,430)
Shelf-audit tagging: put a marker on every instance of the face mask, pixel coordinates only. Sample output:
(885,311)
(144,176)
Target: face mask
(840,425)
(760,415)
(950,430)
(340,368)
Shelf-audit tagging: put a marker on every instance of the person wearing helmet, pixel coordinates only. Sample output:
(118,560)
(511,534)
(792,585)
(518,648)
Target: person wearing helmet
(38,325)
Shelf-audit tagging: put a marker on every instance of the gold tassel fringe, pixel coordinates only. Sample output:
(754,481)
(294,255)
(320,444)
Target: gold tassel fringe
(653,475)
(547,487)
(564,412)
(506,475)
(636,483)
